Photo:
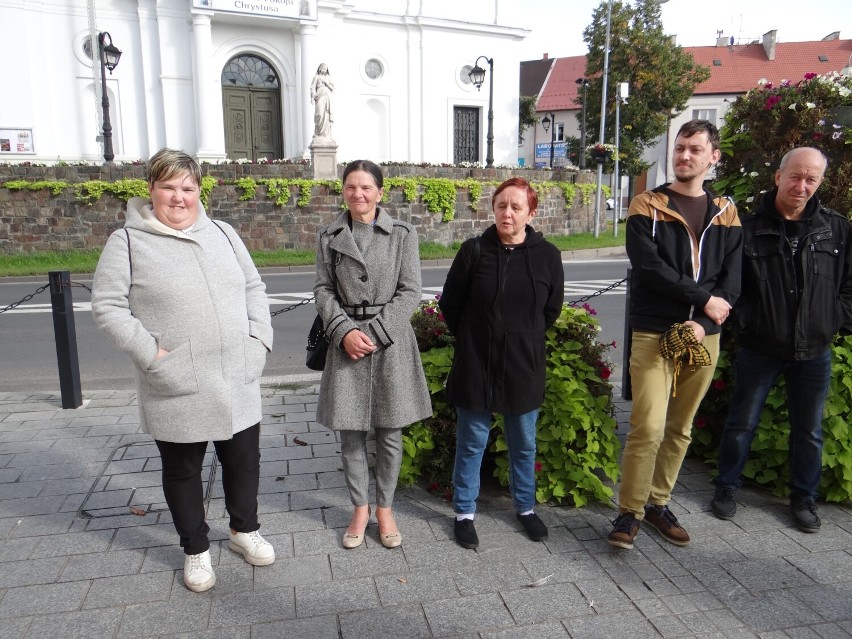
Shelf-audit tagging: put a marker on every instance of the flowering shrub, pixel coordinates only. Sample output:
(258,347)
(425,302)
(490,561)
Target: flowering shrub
(577,445)
(768,463)
(769,120)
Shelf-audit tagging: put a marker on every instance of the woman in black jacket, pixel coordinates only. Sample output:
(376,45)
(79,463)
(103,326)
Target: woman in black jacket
(504,289)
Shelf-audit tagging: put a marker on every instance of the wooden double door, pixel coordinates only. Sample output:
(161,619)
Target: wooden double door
(252,123)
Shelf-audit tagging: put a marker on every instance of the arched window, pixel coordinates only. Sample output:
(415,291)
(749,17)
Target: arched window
(249,71)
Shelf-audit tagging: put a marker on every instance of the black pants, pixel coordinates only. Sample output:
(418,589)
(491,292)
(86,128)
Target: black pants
(240,462)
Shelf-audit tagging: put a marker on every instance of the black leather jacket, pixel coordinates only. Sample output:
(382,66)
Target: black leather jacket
(776,314)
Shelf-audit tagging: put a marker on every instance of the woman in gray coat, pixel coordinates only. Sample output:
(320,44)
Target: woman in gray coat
(367,288)
(180,295)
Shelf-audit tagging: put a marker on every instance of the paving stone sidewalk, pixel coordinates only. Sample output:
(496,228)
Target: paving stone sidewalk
(75,561)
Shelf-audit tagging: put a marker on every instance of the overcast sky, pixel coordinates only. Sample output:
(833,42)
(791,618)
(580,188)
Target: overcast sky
(557,25)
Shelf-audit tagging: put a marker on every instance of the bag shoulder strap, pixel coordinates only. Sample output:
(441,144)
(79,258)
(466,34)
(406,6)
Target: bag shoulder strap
(129,255)
(226,236)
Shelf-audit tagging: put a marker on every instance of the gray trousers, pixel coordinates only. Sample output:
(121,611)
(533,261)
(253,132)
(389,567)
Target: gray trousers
(353,449)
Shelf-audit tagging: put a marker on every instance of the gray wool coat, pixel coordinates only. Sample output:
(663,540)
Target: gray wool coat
(199,296)
(387,389)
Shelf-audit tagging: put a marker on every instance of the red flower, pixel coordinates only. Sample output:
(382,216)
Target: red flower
(771,101)
(605,373)
(448,495)
(441,316)
(613,344)
(429,310)
(719,384)
(810,76)
(816,136)
(700,422)
(437,296)
(434,487)
(538,467)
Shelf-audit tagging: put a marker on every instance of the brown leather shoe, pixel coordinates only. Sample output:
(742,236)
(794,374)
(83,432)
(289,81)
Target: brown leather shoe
(624,530)
(661,518)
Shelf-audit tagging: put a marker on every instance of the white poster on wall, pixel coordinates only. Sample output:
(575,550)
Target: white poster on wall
(16,141)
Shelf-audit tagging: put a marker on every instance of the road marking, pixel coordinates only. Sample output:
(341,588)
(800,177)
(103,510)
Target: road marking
(572,289)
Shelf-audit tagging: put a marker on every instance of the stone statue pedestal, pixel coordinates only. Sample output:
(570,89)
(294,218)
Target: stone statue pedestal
(324,158)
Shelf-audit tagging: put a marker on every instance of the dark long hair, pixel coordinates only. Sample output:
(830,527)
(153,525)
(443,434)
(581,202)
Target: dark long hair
(365,165)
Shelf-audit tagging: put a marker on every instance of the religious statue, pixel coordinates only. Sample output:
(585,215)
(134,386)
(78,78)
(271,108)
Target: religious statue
(321,89)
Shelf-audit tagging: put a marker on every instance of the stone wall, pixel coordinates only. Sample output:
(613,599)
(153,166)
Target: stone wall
(39,221)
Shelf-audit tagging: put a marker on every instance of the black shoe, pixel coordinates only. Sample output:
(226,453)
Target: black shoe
(465,533)
(805,516)
(723,504)
(624,531)
(534,526)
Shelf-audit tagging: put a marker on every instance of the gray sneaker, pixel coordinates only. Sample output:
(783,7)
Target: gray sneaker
(805,516)
(723,504)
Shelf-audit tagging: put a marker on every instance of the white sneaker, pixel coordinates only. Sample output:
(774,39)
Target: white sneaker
(198,572)
(254,548)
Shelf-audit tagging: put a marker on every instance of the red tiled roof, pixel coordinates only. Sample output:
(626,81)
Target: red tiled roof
(743,65)
(740,69)
(560,88)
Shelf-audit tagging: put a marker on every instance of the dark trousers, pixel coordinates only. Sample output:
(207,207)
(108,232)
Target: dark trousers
(240,463)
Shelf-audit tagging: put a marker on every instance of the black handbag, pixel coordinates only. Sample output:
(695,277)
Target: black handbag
(317,348)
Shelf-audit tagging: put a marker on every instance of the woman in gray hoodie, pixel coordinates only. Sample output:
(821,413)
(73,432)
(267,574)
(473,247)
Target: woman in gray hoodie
(181,296)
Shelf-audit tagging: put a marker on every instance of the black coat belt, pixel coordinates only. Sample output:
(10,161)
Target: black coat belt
(363,311)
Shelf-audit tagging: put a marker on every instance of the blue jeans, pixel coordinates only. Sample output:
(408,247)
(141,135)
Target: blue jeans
(807,385)
(472,427)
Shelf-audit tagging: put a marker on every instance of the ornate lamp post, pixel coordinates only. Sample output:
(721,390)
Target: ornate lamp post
(545,124)
(109,56)
(582,82)
(477,76)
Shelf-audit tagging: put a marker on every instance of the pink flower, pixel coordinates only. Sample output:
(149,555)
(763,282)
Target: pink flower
(441,316)
(810,76)
(768,85)
(437,296)
(538,467)
(613,344)
(429,310)
(771,101)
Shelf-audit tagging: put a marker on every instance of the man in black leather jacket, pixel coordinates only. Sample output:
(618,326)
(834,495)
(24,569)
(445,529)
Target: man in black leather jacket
(796,294)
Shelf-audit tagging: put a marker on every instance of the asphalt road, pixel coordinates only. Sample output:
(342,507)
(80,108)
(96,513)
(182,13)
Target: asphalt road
(28,348)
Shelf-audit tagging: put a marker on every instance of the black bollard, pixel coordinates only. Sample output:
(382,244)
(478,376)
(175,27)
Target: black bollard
(66,338)
(626,386)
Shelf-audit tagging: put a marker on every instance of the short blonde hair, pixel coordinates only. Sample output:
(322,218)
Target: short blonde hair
(166,164)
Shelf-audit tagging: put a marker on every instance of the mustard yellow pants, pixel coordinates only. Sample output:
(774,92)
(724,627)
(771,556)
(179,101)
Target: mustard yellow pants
(660,424)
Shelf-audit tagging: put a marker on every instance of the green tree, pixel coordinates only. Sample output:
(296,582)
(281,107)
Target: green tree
(765,123)
(661,74)
(527,116)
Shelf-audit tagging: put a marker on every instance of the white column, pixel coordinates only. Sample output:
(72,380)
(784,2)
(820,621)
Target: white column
(308,42)
(149,36)
(209,128)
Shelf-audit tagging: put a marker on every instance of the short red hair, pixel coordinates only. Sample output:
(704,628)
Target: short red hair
(521,183)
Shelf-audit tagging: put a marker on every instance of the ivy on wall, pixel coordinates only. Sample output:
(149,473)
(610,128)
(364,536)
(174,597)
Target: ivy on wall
(438,194)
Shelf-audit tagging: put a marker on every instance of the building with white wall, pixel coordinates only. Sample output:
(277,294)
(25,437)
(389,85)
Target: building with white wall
(231,78)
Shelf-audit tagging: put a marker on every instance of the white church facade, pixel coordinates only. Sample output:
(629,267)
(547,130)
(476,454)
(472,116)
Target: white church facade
(231,78)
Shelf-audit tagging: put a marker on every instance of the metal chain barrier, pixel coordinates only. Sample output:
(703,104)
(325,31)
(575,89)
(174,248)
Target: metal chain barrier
(586,298)
(292,306)
(26,298)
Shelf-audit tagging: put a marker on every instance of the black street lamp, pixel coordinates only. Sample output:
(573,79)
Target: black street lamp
(109,56)
(477,76)
(545,124)
(582,82)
